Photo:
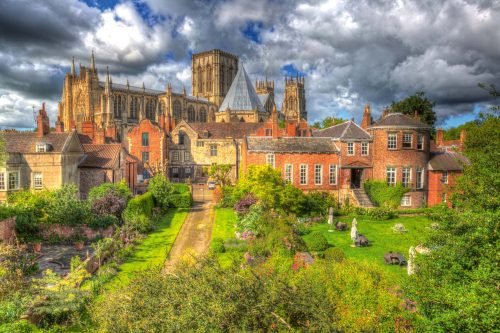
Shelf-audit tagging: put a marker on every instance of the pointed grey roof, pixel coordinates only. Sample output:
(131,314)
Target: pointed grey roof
(345,131)
(241,95)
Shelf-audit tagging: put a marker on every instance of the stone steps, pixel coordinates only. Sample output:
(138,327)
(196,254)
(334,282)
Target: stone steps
(362,198)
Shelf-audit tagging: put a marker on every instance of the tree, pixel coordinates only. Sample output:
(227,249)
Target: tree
(453,133)
(328,122)
(162,190)
(221,173)
(416,103)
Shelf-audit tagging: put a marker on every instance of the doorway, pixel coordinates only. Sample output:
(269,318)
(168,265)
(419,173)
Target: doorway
(356,177)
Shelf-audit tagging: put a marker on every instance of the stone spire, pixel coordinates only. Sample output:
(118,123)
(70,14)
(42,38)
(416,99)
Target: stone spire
(92,61)
(73,66)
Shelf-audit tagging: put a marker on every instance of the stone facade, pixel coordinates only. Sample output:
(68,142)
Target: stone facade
(294,101)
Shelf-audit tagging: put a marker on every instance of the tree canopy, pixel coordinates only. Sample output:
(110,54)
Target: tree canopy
(416,103)
(328,122)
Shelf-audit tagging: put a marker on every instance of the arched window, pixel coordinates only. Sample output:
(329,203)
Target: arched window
(203,115)
(191,114)
(162,107)
(209,78)
(200,79)
(150,109)
(177,109)
(118,106)
(133,107)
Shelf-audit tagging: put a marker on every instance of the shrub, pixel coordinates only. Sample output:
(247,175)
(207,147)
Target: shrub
(6,212)
(111,203)
(334,254)
(137,215)
(293,200)
(118,189)
(103,221)
(316,241)
(26,225)
(382,194)
(382,213)
(143,204)
(181,200)
(243,205)
(302,229)
(217,245)
(66,208)
(320,202)
(161,189)
(233,244)
(135,221)
(228,199)
(181,188)
(250,221)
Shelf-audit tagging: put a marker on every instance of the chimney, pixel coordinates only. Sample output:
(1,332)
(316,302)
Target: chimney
(463,137)
(275,125)
(367,117)
(100,136)
(59,125)
(439,137)
(42,122)
(416,116)
(385,113)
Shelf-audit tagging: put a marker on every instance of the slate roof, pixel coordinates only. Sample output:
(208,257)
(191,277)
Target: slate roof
(241,95)
(137,90)
(224,130)
(450,161)
(399,120)
(102,156)
(25,142)
(291,145)
(263,98)
(348,130)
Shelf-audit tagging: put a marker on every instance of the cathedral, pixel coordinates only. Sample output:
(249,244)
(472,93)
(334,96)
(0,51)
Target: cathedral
(222,92)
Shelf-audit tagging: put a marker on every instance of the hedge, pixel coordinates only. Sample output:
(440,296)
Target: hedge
(382,194)
(143,204)
(181,200)
(181,188)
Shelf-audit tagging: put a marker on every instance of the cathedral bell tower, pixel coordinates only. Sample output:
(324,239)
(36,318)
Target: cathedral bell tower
(294,101)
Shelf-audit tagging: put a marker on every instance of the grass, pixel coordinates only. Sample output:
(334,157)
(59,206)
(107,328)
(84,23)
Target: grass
(225,219)
(152,251)
(382,239)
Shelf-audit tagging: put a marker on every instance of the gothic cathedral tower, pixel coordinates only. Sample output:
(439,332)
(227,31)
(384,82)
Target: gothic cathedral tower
(294,101)
(213,73)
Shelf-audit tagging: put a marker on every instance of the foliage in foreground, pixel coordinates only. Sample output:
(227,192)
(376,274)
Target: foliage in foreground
(382,194)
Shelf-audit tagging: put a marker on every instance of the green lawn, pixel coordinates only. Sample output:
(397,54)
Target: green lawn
(225,219)
(152,251)
(381,236)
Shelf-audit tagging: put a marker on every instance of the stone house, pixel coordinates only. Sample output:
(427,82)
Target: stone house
(41,159)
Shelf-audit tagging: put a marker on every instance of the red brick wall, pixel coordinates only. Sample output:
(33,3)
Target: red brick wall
(296,160)
(399,158)
(437,188)
(8,229)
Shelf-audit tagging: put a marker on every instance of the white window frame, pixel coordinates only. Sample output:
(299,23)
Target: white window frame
(420,142)
(187,156)
(303,174)
(187,170)
(270,159)
(405,135)
(332,177)
(175,156)
(37,176)
(288,173)
(3,184)
(406,176)
(351,148)
(419,178)
(213,149)
(444,179)
(318,174)
(406,200)
(365,148)
(41,148)
(391,170)
(392,144)
(18,180)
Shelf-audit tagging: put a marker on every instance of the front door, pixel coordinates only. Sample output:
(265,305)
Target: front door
(356,176)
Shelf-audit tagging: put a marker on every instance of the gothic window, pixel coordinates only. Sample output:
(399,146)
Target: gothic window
(177,111)
(133,107)
(150,109)
(209,79)
(292,106)
(203,115)
(162,107)
(200,79)
(191,114)
(118,106)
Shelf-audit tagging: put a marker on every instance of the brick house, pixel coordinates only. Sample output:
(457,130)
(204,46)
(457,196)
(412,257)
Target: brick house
(41,159)
(194,147)
(443,170)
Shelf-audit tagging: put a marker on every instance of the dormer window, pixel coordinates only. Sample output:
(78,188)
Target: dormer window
(42,147)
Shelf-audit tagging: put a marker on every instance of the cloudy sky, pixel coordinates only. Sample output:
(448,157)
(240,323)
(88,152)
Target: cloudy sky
(351,52)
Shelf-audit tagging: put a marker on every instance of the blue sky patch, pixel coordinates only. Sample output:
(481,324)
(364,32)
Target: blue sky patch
(252,31)
(291,70)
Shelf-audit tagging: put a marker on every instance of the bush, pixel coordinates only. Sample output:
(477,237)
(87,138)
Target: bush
(103,221)
(181,188)
(6,212)
(181,200)
(66,208)
(250,221)
(217,245)
(316,241)
(143,204)
(138,222)
(137,215)
(382,194)
(243,205)
(161,189)
(26,225)
(120,190)
(382,213)
(233,244)
(334,254)
(320,202)
(302,229)
(228,198)
(111,203)
(293,200)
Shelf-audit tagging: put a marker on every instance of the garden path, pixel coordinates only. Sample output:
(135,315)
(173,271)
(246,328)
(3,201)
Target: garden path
(194,237)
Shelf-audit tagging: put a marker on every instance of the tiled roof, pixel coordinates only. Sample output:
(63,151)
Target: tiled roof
(84,139)
(224,130)
(447,161)
(399,120)
(132,89)
(291,145)
(348,130)
(100,156)
(241,95)
(25,142)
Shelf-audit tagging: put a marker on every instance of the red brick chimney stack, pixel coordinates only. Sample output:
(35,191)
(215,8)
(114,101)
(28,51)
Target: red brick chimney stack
(463,137)
(42,122)
(367,117)
(439,137)
(275,125)
(59,125)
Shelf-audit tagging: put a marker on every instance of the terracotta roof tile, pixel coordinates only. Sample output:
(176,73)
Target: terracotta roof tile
(25,142)
(100,156)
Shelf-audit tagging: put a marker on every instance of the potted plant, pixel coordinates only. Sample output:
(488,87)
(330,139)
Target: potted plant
(79,241)
(37,244)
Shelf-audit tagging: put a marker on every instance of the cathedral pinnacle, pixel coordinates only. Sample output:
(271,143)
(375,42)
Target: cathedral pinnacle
(73,66)
(92,61)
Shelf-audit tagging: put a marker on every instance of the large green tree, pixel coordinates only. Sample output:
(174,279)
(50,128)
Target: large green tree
(416,103)
(328,122)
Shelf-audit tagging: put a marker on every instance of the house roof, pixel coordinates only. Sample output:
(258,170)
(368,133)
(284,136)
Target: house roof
(224,130)
(25,142)
(102,156)
(447,161)
(348,130)
(291,145)
(241,95)
(399,120)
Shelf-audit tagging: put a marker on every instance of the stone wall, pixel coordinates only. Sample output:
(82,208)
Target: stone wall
(8,229)
(66,231)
